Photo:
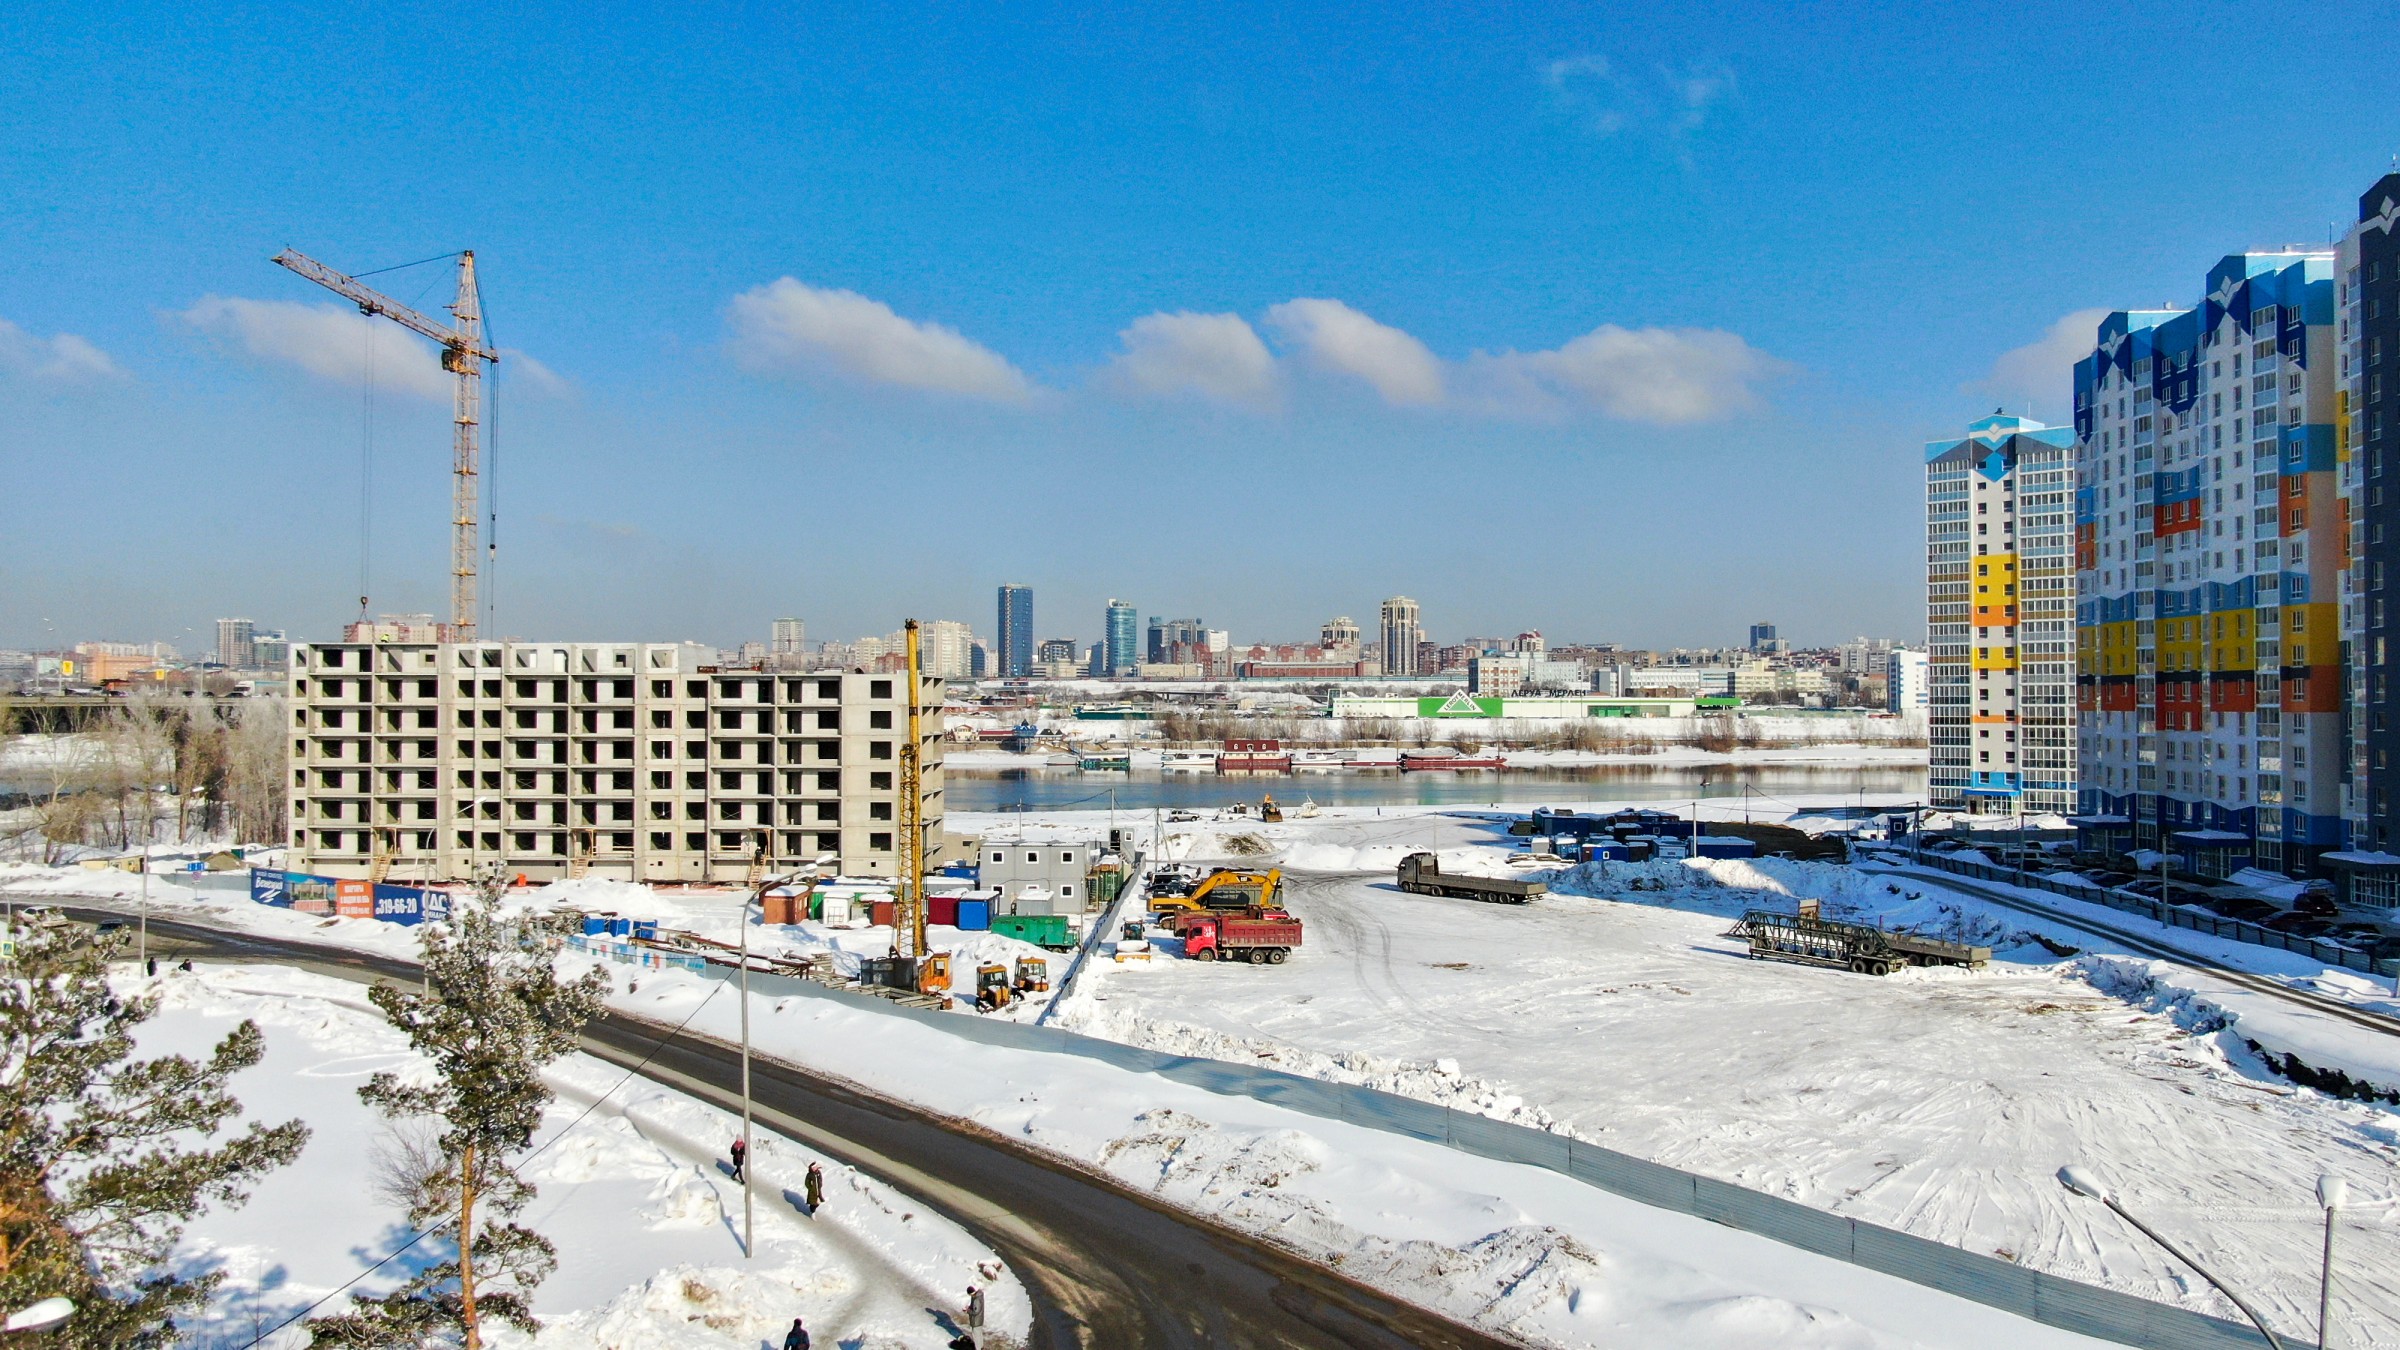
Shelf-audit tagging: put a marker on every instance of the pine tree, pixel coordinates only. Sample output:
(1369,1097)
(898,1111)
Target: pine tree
(492,1013)
(100,1167)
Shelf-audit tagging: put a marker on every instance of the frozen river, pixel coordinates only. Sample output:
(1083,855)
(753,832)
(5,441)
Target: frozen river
(1045,789)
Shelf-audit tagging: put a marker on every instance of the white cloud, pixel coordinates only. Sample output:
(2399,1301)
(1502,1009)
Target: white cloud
(332,342)
(1665,101)
(1337,337)
(1588,89)
(1665,376)
(2042,372)
(1216,356)
(785,325)
(62,357)
(532,376)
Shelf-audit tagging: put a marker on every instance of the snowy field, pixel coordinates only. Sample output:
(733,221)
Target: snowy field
(633,1193)
(1940,1102)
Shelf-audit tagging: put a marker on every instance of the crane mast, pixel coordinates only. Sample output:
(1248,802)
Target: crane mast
(463,355)
(909,931)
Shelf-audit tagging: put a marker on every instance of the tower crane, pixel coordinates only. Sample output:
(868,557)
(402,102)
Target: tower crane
(463,350)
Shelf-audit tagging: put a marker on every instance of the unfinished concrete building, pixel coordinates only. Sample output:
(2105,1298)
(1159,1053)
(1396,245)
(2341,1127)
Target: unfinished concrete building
(640,761)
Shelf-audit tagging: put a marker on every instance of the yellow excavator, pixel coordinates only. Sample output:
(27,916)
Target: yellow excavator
(1226,888)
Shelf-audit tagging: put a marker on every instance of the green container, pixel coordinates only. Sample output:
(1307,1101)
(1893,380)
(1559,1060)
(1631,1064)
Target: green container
(1042,930)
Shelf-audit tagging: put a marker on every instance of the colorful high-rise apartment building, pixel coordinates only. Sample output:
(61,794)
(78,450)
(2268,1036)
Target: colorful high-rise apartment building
(2210,552)
(2366,436)
(2000,607)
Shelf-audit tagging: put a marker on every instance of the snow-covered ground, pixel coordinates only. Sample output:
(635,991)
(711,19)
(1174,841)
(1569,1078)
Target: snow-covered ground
(633,1192)
(1940,1102)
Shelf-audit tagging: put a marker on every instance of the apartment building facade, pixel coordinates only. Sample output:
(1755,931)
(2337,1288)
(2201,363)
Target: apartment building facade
(2366,434)
(2000,605)
(2211,549)
(640,761)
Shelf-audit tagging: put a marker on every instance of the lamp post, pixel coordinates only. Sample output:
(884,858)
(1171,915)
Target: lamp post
(2075,1177)
(2332,1193)
(40,1316)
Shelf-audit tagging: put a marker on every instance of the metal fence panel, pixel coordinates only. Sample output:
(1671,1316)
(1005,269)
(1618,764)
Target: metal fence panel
(2134,1321)
(1395,1114)
(1987,1280)
(1489,1138)
(1631,1177)
(1772,1216)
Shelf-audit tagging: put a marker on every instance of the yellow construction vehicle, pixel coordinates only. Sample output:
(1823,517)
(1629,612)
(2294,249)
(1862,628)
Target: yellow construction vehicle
(1269,813)
(1226,888)
(1033,975)
(992,990)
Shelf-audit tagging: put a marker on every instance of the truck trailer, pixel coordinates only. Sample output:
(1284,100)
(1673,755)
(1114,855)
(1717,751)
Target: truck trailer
(1258,938)
(1421,874)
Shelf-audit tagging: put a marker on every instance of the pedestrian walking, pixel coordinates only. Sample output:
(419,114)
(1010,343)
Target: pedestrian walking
(974,1307)
(797,1337)
(816,1187)
(741,1151)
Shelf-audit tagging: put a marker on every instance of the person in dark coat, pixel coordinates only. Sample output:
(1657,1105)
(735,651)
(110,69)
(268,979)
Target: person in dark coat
(797,1337)
(816,1187)
(741,1151)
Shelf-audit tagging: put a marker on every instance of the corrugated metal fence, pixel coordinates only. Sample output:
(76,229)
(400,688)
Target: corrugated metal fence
(2048,1299)
(2198,920)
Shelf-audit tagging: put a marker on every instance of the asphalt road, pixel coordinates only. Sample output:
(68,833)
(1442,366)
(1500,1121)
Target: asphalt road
(1107,1266)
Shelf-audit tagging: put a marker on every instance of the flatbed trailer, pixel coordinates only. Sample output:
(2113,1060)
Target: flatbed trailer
(1808,939)
(1421,874)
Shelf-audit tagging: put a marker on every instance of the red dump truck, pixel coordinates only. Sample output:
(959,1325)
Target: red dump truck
(1266,936)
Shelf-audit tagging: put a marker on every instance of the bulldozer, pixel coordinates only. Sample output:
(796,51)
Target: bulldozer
(1033,975)
(1269,813)
(992,989)
(1226,888)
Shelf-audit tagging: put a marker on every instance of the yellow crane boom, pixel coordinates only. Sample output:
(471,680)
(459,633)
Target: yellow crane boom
(463,350)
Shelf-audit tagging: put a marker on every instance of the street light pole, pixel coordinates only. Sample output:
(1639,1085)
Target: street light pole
(2075,1178)
(2332,1193)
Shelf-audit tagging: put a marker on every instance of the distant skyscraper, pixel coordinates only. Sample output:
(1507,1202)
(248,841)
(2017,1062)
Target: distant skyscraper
(1904,682)
(789,638)
(236,646)
(1016,631)
(1121,638)
(1401,634)
(1762,637)
(2000,607)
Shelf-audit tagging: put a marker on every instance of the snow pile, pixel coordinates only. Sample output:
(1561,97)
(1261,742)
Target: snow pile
(646,1221)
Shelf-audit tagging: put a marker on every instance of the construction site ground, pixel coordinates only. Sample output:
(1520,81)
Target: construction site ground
(1938,1101)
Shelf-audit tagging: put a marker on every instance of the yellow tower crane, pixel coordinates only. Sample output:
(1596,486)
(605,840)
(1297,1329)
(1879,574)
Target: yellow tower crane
(909,930)
(462,350)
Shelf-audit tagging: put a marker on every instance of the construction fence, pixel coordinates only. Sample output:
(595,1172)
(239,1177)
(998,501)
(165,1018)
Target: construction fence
(2174,916)
(2048,1299)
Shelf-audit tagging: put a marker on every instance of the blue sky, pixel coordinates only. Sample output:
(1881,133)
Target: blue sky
(1620,324)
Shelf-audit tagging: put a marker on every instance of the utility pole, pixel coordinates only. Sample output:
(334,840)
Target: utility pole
(143,955)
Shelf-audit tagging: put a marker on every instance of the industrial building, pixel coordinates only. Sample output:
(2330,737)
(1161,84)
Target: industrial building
(640,761)
(1039,878)
(2210,547)
(2000,613)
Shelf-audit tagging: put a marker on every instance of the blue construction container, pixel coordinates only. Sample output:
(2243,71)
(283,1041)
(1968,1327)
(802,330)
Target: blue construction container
(619,927)
(1612,852)
(1723,846)
(646,930)
(975,915)
(594,925)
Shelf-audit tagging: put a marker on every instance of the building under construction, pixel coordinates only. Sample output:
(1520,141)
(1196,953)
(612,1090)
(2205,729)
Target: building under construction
(433,760)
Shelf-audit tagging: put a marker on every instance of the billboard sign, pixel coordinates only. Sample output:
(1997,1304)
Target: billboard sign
(309,895)
(1461,704)
(411,904)
(354,899)
(268,887)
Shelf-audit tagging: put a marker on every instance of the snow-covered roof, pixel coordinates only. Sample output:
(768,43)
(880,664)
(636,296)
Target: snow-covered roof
(2363,859)
(2096,822)
(2211,837)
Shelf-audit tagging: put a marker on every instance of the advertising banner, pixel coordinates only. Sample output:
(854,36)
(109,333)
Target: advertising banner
(309,895)
(267,887)
(411,904)
(354,899)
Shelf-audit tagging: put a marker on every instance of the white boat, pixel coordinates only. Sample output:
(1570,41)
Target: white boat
(1187,761)
(1319,761)
(1375,759)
